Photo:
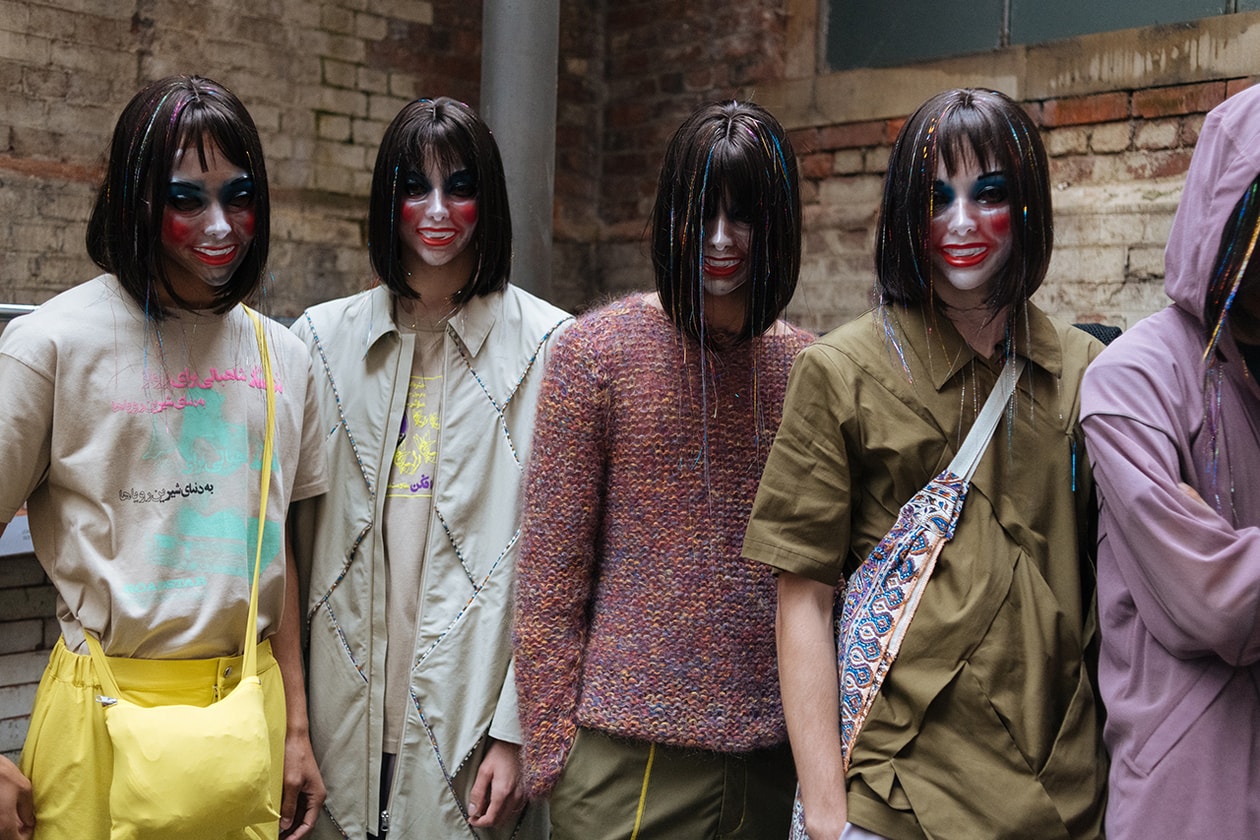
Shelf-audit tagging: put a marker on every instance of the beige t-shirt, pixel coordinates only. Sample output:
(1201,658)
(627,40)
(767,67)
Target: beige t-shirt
(407,520)
(139,445)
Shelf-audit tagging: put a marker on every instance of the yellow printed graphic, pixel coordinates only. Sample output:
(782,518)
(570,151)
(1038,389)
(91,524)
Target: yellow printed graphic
(416,455)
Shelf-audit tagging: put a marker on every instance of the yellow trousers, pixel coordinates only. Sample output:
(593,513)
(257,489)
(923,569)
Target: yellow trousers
(68,756)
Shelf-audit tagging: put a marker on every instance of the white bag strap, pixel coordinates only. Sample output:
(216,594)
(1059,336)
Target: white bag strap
(977,440)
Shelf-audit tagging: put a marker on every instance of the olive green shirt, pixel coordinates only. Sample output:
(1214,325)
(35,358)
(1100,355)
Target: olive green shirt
(986,726)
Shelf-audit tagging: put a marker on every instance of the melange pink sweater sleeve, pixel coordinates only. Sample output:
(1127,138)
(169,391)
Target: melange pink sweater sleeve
(563,501)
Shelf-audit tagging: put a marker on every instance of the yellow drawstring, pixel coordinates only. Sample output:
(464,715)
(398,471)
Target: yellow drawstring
(647,773)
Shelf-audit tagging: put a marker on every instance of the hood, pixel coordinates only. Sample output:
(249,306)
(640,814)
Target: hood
(1226,160)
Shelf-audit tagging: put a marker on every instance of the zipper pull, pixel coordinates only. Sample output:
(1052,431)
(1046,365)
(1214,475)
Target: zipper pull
(106,701)
(384,827)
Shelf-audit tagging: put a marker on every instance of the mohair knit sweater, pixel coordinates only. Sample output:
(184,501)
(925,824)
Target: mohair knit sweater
(636,614)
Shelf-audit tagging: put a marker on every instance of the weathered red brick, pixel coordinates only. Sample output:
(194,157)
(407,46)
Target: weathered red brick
(1033,110)
(1190,128)
(628,115)
(700,79)
(622,16)
(1076,169)
(641,89)
(631,64)
(817,165)
(51,169)
(804,140)
(809,192)
(1235,85)
(1080,110)
(1160,164)
(1177,100)
(629,163)
(671,83)
(851,135)
(892,128)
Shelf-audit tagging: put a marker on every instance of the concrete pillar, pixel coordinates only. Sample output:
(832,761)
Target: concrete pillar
(520,46)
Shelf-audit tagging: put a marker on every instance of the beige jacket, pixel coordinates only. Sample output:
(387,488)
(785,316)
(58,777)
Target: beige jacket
(495,352)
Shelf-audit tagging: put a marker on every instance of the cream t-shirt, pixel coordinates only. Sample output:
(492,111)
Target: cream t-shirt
(408,518)
(139,445)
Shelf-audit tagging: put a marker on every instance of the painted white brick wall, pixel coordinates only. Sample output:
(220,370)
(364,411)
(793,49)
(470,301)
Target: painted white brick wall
(28,631)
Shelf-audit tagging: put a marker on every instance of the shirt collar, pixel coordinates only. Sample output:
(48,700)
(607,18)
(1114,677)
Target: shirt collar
(472,323)
(932,337)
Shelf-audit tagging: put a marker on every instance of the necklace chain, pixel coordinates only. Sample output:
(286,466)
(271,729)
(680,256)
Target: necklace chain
(401,305)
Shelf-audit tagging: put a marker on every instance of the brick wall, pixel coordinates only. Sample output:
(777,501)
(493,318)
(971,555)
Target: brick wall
(27,633)
(629,91)
(1119,112)
(321,80)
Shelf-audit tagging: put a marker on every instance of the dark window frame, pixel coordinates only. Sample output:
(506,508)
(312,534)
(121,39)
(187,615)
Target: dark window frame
(891,33)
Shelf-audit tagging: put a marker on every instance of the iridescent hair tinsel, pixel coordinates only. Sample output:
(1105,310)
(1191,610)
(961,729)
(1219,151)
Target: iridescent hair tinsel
(733,157)
(949,128)
(1233,257)
(124,233)
(452,135)
(1233,269)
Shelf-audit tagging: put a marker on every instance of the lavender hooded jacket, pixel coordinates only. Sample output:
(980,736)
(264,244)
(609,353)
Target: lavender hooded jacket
(1179,580)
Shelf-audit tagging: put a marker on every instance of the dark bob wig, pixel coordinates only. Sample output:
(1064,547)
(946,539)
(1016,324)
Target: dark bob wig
(451,134)
(124,234)
(727,156)
(951,126)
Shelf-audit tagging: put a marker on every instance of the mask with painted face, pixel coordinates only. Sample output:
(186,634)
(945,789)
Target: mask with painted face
(725,267)
(437,215)
(207,223)
(970,231)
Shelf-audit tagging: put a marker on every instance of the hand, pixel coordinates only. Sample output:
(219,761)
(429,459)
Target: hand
(498,794)
(826,820)
(17,803)
(304,791)
(826,831)
(1191,492)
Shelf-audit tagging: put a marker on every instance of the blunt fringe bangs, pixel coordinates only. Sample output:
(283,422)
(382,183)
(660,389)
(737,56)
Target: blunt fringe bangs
(124,233)
(453,135)
(732,156)
(950,127)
